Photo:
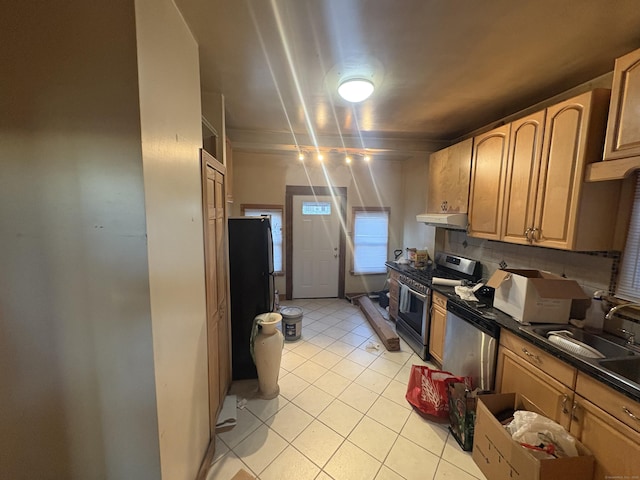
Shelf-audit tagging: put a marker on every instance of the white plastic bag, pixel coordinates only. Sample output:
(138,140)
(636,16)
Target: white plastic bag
(533,429)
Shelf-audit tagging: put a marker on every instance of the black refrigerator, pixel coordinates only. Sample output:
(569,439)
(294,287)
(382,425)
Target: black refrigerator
(251,286)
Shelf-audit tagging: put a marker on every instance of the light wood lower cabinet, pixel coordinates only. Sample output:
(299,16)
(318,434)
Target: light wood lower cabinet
(394,294)
(438,326)
(615,446)
(604,420)
(552,397)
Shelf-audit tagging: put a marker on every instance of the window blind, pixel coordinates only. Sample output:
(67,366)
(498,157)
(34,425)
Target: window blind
(370,241)
(629,278)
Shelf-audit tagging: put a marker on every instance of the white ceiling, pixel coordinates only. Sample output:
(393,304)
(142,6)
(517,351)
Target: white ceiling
(442,68)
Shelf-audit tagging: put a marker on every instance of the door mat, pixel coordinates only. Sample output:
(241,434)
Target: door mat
(243,475)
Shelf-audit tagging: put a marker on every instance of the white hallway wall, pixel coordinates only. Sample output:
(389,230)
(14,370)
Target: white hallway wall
(100,335)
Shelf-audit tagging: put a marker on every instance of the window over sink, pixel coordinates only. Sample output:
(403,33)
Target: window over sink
(629,278)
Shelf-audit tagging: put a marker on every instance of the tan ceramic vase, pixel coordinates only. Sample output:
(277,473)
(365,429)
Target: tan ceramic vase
(267,349)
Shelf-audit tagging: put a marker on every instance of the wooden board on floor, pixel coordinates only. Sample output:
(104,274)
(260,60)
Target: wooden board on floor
(243,475)
(387,335)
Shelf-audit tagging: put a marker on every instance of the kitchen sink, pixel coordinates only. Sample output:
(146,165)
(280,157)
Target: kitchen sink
(583,344)
(628,368)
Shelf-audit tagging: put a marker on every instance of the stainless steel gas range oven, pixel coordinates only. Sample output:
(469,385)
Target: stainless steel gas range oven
(414,305)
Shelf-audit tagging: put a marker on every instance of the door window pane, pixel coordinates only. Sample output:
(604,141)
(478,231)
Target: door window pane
(316,208)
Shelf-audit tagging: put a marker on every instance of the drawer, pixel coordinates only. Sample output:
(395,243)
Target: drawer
(615,403)
(439,300)
(552,366)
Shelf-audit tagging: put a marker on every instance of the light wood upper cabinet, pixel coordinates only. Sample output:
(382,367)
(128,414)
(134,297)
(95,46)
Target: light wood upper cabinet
(541,179)
(488,171)
(448,179)
(571,214)
(623,129)
(521,184)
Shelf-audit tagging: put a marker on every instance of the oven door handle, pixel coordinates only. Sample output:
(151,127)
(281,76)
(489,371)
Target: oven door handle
(417,294)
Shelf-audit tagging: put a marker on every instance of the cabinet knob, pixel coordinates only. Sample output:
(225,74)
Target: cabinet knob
(565,399)
(527,235)
(573,411)
(534,237)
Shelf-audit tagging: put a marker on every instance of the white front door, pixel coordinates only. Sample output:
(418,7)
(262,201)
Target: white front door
(316,230)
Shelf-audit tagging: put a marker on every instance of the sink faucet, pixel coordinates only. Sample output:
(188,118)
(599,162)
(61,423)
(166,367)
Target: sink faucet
(613,310)
(630,336)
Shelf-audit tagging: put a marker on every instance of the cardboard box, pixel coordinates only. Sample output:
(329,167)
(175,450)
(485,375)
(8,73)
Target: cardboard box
(533,296)
(499,456)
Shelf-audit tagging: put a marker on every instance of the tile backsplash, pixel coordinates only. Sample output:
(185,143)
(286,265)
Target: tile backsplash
(593,271)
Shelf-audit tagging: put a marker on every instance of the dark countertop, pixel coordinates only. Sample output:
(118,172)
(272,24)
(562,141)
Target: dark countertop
(588,366)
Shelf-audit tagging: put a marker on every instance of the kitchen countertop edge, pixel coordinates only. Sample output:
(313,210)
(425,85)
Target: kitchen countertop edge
(507,322)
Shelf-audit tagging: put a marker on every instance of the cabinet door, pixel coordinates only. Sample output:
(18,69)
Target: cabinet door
(613,444)
(514,375)
(488,170)
(448,180)
(224,328)
(623,129)
(394,295)
(562,172)
(438,326)
(218,341)
(521,184)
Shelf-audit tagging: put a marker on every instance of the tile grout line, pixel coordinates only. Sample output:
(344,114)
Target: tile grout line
(323,345)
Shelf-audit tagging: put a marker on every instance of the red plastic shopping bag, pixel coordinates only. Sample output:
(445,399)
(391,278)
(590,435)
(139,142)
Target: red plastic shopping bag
(427,390)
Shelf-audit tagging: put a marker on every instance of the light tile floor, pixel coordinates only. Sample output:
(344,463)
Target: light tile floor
(341,413)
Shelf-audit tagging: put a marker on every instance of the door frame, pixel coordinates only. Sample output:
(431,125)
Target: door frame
(340,194)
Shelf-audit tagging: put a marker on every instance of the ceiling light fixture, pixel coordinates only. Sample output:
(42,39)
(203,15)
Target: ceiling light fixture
(355,90)
(367,158)
(347,159)
(320,157)
(301,156)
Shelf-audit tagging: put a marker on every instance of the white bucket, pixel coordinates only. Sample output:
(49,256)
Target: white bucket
(291,322)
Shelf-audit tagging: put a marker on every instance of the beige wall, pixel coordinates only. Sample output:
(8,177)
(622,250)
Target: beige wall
(262,178)
(416,234)
(101,287)
(171,137)
(76,356)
